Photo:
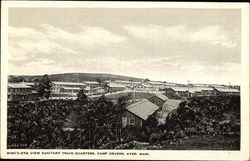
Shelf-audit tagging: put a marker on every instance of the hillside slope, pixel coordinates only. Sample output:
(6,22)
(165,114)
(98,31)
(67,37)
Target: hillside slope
(73,77)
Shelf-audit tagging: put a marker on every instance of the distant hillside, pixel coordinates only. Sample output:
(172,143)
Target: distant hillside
(72,77)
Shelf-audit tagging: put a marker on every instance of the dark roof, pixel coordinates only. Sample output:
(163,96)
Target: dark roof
(143,109)
(161,96)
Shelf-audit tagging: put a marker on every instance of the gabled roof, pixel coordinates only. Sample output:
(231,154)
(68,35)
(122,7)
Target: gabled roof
(144,85)
(18,85)
(114,85)
(156,82)
(205,88)
(28,83)
(183,89)
(91,82)
(123,81)
(71,88)
(69,83)
(191,90)
(143,109)
(227,90)
(161,96)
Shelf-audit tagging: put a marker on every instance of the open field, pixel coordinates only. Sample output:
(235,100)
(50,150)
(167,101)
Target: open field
(203,142)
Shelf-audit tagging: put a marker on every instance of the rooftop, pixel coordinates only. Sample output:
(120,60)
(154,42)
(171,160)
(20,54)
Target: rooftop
(71,88)
(18,85)
(91,82)
(28,83)
(227,90)
(156,82)
(123,81)
(161,96)
(179,88)
(114,85)
(143,109)
(69,83)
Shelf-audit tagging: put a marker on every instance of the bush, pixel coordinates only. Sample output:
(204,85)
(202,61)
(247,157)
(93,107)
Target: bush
(205,115)
(157,137)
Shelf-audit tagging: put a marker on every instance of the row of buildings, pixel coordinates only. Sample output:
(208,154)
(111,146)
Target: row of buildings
(200,91)
(145,85)
(26,91)
(21,92)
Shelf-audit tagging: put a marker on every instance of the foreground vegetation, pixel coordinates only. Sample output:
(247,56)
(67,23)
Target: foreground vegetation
(199,123)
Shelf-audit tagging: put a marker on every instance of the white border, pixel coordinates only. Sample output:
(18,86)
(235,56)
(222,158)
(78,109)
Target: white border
(243,154)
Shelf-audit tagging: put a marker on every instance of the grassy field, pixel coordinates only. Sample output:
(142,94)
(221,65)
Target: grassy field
(205,142)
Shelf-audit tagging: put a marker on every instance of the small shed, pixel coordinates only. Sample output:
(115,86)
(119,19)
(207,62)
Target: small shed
(138,112)
(158,99)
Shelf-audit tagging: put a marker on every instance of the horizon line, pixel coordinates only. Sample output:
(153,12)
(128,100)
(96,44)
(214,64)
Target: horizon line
(116,75)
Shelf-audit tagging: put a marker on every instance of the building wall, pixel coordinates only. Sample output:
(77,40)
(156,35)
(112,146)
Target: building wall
(114,89)
(229,93)
(70,90)
(157,101)
(182,93)
(92,85)
(131,119)
(143,88)
(170,92)
(21,94)
(56,88)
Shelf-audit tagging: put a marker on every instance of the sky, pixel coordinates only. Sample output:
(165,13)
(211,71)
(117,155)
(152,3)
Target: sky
(174,45)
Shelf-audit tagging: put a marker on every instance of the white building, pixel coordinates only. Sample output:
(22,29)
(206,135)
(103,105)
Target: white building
(66,87)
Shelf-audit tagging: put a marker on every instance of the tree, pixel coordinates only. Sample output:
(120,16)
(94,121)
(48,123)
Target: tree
(152,122)
(99,80)
(44,87)
(120,108)
(82,97)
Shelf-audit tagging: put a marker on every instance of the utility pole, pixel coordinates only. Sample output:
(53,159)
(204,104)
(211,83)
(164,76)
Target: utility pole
(133,93)
(188,86)
(89,87)
(229,89)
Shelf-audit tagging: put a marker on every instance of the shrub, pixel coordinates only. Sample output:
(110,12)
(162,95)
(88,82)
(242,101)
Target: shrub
(156,137)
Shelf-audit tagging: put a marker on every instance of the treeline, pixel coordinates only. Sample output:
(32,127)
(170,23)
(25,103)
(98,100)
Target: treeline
(72,77)
(98,123)
(209,115)
(43,124)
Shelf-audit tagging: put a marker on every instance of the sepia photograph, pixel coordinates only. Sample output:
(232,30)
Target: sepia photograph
(124,78)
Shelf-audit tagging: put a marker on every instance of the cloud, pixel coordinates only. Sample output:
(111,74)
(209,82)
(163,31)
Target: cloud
(39,62)
(89,36)
(27,44)
(212,35)
(157,52)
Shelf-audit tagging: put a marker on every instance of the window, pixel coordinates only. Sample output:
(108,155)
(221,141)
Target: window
(131,119)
